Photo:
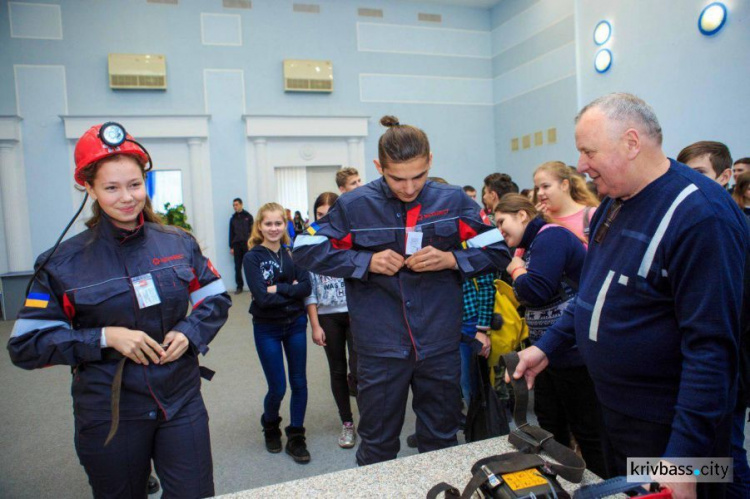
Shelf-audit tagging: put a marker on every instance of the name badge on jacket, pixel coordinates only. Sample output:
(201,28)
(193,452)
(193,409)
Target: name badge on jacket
(145,291)
(413,241)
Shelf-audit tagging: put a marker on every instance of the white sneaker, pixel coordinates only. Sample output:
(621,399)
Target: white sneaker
(348,436)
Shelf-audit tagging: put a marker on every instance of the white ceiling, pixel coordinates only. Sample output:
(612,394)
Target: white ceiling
(483,4)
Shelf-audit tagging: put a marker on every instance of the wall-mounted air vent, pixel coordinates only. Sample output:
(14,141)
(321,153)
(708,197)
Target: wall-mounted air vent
(308,76)
(168,2)
(237,4)
(430,18)
(370,12)
(138,71)
(307,8)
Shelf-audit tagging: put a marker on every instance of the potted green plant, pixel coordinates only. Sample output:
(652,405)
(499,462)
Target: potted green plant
(175,215)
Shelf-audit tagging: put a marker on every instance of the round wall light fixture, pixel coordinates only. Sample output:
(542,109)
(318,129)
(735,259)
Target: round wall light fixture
(603,61)
(602,32)
(712,18)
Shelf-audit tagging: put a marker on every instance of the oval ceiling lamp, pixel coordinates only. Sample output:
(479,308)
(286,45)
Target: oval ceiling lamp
(602,32)
(712,18)
(603,61)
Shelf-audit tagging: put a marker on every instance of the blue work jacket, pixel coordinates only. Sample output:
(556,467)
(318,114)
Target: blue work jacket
(87,285)
(393,316)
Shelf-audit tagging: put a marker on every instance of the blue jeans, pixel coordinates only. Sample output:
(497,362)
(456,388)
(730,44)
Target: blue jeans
(269,339)
(740,487)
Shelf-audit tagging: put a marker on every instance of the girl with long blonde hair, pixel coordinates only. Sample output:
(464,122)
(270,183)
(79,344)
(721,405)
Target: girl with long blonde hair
(279,289)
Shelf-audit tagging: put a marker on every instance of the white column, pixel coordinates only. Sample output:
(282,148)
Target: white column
(266,183)
(353,153)
(15,210)
(197,182)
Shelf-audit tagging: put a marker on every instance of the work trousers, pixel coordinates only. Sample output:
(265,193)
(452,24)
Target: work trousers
(180,449)
(239,250)
(384,384)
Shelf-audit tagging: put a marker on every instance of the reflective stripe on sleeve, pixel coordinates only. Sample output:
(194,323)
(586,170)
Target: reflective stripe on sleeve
(596,314)
(213,288)
(23,326)
(648,257)
(485,239)
(305,240)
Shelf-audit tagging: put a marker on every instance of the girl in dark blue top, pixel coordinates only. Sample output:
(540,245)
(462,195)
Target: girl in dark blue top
(545,280)
(279,289)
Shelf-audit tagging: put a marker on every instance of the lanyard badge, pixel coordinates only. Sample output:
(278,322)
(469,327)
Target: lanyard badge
(145,290)
(413,233)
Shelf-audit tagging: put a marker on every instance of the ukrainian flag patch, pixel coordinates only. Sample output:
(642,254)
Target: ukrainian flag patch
(313,228)
(37,300)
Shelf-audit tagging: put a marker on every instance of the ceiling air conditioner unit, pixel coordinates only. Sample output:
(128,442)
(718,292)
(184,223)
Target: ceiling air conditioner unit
(138,71)
(308,76)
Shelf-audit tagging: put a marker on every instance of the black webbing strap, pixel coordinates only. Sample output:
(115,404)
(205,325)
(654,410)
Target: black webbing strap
(498,465)
(115,400)
(529,438)
(450,491)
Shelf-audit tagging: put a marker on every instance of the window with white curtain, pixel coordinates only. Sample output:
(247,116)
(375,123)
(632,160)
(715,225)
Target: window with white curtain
(291,188)
(164,186)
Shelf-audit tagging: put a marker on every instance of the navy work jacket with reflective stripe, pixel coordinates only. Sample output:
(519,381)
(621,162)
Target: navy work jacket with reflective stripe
(87,285)
(392,316)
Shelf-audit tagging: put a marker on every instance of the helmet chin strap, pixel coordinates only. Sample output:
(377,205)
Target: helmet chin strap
(59,240)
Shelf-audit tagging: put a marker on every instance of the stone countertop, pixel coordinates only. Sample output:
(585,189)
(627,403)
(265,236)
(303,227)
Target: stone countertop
(411,476)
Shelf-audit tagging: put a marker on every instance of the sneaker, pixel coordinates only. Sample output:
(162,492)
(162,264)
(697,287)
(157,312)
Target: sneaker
(348,436)
(153,485)
(411,441)
(238,291)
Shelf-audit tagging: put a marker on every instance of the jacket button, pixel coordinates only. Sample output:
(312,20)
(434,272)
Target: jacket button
(152,414)
(408,304)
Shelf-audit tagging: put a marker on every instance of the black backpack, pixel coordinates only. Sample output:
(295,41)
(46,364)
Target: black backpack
(486,417)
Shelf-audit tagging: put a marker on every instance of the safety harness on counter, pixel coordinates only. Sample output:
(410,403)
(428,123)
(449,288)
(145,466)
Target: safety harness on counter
(524,473)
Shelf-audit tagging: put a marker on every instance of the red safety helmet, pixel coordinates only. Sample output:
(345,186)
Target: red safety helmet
(90,148)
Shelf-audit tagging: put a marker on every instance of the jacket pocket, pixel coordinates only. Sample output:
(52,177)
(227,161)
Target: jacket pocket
(99,293)
(174,292)
(103,304)
(442,235)
(376,240)
(174,281)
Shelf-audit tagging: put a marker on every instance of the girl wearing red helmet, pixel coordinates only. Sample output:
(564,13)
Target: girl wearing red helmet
(112,303)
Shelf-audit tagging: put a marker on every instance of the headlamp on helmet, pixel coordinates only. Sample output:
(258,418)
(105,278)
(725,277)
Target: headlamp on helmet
(112,134)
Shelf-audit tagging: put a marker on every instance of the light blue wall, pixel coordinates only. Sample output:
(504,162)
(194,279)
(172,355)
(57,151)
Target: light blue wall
(534,66)
(472,82)
(697,85)
(447,68)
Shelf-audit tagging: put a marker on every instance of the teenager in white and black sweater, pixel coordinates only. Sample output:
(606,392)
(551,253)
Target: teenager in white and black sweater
(331,329)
